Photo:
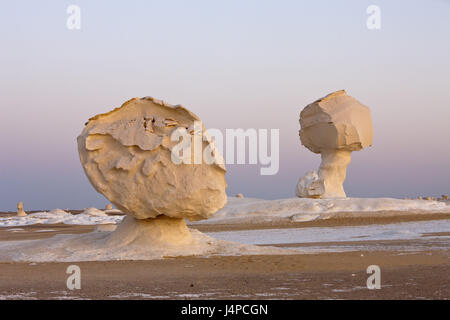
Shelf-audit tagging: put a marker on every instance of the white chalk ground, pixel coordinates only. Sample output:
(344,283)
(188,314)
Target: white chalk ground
(90,216)
(100,245)
(349,238)
(381,232)
(251,210)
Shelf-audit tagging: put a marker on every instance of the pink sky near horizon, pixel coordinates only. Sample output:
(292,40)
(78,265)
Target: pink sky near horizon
(253,65)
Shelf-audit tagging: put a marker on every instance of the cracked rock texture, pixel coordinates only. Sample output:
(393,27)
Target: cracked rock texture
(333,126)
(126,155)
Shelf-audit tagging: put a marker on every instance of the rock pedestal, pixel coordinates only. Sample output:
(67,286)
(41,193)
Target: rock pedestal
(131,157)
(333,126)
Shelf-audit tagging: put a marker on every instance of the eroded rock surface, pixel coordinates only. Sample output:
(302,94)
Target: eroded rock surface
(333,126)
(126,154)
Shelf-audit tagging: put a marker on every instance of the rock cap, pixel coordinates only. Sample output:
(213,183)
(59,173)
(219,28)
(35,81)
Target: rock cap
(336,121)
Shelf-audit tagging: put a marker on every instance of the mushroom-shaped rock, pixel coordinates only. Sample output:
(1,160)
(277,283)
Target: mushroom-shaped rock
(20,211)
(333,126)
(131,157)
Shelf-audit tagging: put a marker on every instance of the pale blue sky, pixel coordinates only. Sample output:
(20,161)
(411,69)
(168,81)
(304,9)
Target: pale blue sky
(248,64)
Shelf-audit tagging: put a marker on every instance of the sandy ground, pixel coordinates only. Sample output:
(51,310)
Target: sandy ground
(336,221)
(423,275)
(405,273)
(41,231)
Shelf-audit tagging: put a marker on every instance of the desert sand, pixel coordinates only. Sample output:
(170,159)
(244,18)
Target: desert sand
(422,275)
(411,269)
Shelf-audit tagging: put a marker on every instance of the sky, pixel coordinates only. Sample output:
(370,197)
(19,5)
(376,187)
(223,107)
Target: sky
(236,64)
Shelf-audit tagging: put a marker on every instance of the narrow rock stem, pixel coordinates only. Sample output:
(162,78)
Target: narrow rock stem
(332,172)
(160,231)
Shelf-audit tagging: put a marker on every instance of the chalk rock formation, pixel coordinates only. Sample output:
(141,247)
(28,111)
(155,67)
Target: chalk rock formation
(309,186)
(94,212)
(158,232)
(20,211)
(128,155)
(333,126)
(108,207)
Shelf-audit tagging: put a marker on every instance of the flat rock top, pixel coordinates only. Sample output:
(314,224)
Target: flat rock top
(336,121)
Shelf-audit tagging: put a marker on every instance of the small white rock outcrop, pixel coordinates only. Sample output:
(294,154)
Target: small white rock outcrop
(20,211)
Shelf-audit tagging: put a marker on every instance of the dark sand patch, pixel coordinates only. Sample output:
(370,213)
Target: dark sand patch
(341,219)
(319,276)
(34,231)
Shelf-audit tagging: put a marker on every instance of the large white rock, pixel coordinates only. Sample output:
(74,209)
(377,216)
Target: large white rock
(126,154)
(333,126)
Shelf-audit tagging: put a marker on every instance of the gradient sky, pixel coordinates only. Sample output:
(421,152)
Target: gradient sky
(236,64)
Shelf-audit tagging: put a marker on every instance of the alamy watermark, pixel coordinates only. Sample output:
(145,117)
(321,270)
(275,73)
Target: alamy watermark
(73,22)
(374,19)
(373,281)
(249,146)
(74,19)
(74,280)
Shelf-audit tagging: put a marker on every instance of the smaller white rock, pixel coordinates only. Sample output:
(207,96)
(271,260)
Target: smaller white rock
(57,212)
(310,186)
(94,212)
(20,211)
(334,126)
(114,212)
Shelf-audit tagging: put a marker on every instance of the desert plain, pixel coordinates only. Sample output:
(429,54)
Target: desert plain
(415,266)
